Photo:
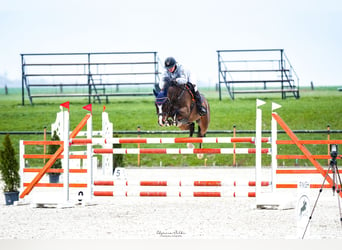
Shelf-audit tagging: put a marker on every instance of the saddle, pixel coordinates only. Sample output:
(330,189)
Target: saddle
(161,96)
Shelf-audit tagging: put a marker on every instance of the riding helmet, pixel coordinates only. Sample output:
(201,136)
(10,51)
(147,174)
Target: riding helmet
(170,62)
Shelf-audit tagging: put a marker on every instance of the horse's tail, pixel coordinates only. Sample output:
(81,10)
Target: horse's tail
(204,120)
(205,103)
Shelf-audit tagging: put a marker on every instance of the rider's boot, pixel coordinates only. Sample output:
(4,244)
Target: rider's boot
(201,109)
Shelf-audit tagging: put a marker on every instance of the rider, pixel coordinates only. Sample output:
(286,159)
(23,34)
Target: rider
(175,72)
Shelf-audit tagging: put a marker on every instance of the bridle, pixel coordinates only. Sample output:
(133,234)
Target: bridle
(161,102)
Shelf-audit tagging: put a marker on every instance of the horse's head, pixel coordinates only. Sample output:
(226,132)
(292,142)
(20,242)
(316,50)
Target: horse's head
(162,104)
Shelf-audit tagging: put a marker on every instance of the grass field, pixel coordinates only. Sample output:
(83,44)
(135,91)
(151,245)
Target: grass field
(313,111)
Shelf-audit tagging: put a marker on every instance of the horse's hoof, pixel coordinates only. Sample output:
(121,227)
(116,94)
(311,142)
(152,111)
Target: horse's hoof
(200,156)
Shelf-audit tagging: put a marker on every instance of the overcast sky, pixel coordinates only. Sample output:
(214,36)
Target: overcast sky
(192,31)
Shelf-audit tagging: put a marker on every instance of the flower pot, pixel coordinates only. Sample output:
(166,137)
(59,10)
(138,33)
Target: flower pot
(11,197)
(54,178)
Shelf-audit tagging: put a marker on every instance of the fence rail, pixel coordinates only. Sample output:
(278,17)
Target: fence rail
(149,132)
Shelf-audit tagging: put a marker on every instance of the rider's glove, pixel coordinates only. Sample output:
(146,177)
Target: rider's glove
(180,80)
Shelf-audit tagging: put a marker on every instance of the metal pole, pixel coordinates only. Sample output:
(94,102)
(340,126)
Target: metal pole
(44,144)
(283,96)
(22,81)
(219,74)
(138,130)
(155,68)
(89,87)
(328,131)
(234,146)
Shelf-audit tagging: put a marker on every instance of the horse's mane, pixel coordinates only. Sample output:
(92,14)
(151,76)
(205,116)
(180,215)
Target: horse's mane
(180,90)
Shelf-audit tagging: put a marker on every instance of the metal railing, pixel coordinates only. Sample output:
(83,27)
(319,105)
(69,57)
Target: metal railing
(87,74)
(256,71)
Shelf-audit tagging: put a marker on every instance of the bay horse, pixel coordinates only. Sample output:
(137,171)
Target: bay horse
(179,109)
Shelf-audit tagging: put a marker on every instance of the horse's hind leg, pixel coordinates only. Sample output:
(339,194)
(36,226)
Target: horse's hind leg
(191,129)
(199,135)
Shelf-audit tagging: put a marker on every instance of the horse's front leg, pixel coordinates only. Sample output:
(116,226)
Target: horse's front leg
(182,118)
(174,120)
(169,121)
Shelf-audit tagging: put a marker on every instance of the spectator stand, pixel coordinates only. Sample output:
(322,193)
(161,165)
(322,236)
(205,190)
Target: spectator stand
(256,72)
(91,75)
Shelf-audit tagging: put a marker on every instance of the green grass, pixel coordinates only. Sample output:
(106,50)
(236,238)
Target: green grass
(314,110)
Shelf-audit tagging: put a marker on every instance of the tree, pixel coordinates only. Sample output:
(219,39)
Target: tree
(117,158)
(9,166)
(52,149)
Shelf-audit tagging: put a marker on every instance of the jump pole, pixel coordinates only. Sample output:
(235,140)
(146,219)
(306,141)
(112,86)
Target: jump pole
(180,151)
(181,183)
(105,141)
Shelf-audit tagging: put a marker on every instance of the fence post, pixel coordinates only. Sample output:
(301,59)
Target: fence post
(258,135)
(274,148)
(65,161)
(90,158)
(234,146)
(138,129)
(328,129)
(44,144)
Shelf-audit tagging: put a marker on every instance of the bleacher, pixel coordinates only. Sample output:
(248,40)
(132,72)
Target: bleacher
(91,75)
(256,72)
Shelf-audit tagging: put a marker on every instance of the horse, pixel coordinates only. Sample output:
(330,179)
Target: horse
(178,108)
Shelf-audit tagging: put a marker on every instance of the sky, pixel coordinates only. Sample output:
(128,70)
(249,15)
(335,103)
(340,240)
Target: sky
(192,31)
